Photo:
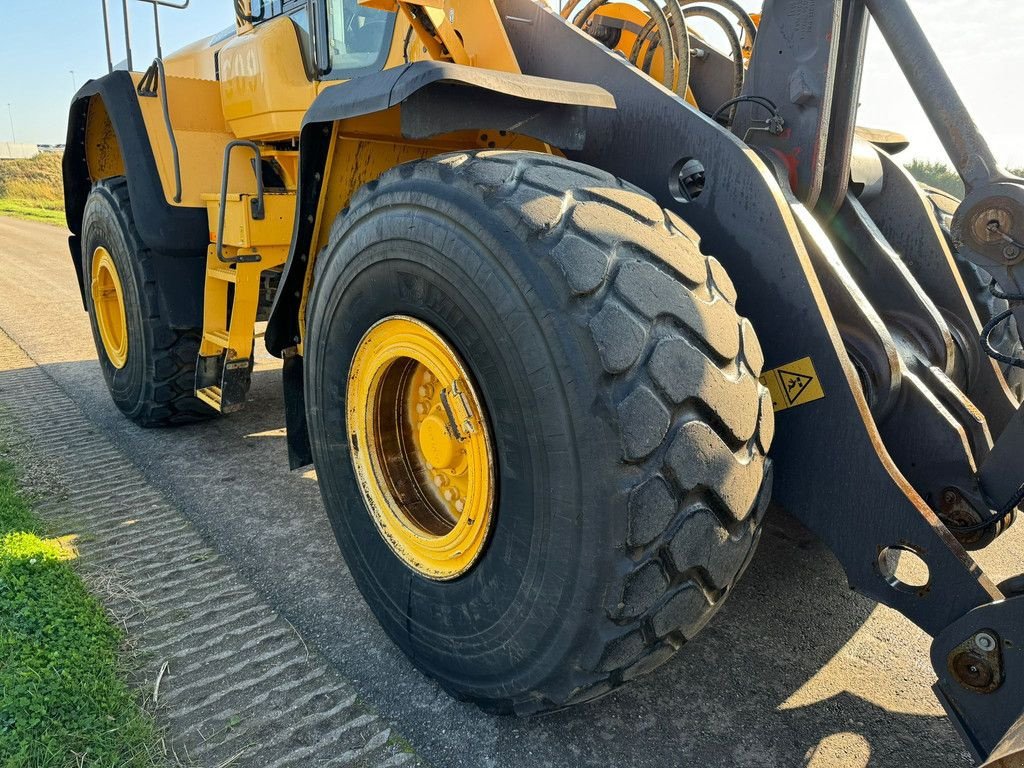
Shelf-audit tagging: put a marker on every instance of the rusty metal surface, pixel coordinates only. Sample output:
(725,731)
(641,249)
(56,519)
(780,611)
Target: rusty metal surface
(981,682)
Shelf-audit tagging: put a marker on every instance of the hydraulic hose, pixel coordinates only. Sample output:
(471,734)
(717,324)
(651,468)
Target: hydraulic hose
(648,35)
(735,44)
(745,20)
(677,54)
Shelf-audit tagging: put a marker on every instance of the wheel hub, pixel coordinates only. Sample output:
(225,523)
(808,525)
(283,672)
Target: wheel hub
(108,303)
(420,447)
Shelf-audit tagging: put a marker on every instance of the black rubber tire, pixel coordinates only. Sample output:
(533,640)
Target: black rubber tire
(621,388)
(156,387)
(1005,338)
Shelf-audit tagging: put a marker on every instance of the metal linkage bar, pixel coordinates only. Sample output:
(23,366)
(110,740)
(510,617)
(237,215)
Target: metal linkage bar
(947,112)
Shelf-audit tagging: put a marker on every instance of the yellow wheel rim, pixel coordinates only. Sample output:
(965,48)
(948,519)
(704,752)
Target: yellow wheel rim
(420,447)
(108,301)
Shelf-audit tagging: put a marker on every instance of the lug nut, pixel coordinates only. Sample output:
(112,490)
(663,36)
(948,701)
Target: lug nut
(460,505)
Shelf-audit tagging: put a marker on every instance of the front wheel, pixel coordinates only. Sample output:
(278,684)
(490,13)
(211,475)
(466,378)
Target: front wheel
(537,424)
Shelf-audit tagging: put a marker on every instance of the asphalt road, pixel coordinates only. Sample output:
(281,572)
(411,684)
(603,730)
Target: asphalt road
(796,670)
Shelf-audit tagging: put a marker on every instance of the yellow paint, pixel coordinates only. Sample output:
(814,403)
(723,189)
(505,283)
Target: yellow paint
(196,61)
(748,43)
(255,85)
(794,384)
(421,447)
(201,133)
(469,32)
(109,308)
(242,231)
(264,88)
(102,152)
(232,294)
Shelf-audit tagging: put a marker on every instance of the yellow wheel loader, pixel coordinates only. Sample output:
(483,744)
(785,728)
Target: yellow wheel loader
(563,300)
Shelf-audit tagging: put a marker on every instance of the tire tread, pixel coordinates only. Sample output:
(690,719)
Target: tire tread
(168,397)
(634,278)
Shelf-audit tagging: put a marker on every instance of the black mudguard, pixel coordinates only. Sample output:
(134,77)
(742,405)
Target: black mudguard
(177,234)
(436,98)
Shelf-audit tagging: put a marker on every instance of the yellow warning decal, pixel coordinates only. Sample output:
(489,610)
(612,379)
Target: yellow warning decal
(794,384)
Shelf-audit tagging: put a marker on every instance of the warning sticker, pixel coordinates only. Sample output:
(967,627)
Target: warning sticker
(794,384)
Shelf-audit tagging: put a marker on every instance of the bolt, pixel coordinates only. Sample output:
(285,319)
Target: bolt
(1011,252)
(973,671)
(985,642)
(949,497)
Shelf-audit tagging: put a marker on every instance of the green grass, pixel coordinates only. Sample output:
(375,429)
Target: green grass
(33,189)
(63,702)
(26,209)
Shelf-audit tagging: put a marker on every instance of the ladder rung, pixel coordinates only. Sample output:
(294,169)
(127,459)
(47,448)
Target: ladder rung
(223,273)
(220,338)
(211,396)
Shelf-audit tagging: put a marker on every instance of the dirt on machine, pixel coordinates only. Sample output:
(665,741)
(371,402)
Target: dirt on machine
(564,300)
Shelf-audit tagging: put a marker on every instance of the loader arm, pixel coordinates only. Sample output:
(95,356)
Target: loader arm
(796,261)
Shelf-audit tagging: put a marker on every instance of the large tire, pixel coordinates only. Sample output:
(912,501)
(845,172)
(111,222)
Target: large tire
(155,387)
(621,387)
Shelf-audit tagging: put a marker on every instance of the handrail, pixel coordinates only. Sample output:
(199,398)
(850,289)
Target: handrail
(258,207)
(180,5)
(146,89)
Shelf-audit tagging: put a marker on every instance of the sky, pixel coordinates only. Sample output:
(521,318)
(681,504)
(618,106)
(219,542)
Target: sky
(46,40)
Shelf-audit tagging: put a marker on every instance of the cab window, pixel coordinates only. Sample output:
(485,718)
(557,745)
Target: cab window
(358,37)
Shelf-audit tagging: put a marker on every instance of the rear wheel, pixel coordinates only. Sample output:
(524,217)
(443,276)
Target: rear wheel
(149,366)
(537,424)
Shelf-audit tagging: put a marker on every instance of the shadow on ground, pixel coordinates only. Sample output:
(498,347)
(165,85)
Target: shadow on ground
(795,670)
